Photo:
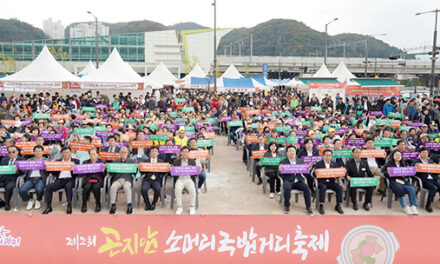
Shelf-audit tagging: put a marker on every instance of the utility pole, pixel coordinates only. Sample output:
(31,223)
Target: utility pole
(96,38)
(252,47)
(434,50)
(215,45)
(326,40)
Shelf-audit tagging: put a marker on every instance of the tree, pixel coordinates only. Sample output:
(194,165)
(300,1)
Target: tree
(8,63)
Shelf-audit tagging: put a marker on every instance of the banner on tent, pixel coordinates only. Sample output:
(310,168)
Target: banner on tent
(30,86)
(323,89)
(110,86)
(238,89)
(353,90)
(217,239)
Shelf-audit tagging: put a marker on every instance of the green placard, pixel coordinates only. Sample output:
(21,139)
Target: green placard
(91,114)
(235,124)
(279,141)
(154,126)
(130,121)
(187,109)
(255,125)
(180,119)
(205,143)
(316,108)
(337,154)
(385,122)
(84,131)
(211,120)
(336,126)
(189,129)
(193,120)
(283,114)
(271,161)
(364,181)
(293,139)
(173,114)
(99,128)
(121,167)
(41,116)
(158,137)
(275,113)
(283,129)
(395,115)
(406,128)
(7,169)
(88,109)
(433,136)
(383,143)
(179,100)
(320,135)
(306,123)
(353,120)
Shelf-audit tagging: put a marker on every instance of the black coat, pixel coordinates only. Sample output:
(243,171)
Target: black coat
(291,177)
(364,169)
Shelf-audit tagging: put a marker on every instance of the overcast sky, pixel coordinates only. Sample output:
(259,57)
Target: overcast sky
(393,17)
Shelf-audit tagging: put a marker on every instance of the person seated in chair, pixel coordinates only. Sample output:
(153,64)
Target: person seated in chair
(152,180)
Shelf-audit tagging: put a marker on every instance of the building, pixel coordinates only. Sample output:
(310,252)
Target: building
(54,29)
(88,29)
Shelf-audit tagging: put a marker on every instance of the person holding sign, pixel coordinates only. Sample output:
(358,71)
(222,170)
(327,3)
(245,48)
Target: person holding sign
(36,179)
(181,139)
(111,145)
(356,167)
(121,180)
(308,150)
(401,185)
(429,180)
(185,182)
(294,181)
(92,182)
(260,145)
(152,180)
(272,170)
(8,181)
(199,162)
(328,183)
(64,179)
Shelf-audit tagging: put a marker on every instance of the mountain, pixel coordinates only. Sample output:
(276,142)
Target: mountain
(127,27)
(292,38)
(187,26)
(15,30)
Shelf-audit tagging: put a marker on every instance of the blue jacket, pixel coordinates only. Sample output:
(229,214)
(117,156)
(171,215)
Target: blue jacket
(388,109)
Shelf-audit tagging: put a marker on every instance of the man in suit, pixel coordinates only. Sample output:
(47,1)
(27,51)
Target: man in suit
(34,179)
(152,180)
(199,162)
(111,145)
(64,179)
(328,183)
(260,145)
(140,152)
(294,181)
(357,167)
(122,180)
(375,164)
(429,180)
(9,181)
(185,182)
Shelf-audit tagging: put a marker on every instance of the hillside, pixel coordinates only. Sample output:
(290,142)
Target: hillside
(187,26)
(15,30)
(293,38)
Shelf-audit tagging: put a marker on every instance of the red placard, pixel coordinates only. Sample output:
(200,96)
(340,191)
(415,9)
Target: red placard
(257,154)
(428,168)
(199,154)
(59,165)
(109,155)
(141,144)
(330,173)
(154,167)
(373,153)
(78,146)
(59,117)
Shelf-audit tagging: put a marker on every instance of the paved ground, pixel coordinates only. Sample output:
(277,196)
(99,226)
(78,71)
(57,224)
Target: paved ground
(231,191)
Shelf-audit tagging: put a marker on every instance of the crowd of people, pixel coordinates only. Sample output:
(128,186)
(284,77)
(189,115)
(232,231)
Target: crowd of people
(84,143)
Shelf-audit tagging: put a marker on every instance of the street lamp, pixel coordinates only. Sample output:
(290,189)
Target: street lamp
(434,48)
(96,38)
(326,39)
(215,45)
(366,51)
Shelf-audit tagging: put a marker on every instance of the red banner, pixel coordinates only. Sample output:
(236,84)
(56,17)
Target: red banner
(326,85)
(217,239)
(353,90)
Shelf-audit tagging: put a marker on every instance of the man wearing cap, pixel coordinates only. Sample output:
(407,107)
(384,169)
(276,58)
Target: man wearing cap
(181,139)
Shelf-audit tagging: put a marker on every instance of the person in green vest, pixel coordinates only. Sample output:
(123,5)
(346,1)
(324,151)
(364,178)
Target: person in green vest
(116,103)
(294,103)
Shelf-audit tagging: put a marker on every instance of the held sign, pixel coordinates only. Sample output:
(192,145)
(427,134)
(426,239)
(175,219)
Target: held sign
(294,168)
(364,181)
(402,171)
(428,168)
(330,173)
(122,167)
(185,170)
(154,167)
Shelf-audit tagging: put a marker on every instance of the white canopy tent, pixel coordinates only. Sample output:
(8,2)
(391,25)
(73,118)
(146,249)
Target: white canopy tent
(294,83)
(90,67)
(232,73)
(196,72)
(114,73)
(162,76)
(342,73)
(42,73)
(323,72)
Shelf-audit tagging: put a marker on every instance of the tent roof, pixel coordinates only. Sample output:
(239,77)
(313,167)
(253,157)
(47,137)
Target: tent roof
(232,73)
(114,69)
(148,82)
(377,82)
(323,72)
(162,76)
(43,68)
(201,81)
(243,82)
(195,72)
(90,67)
(260,85)
(342,73)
